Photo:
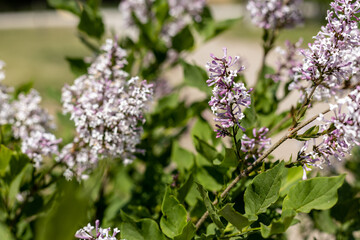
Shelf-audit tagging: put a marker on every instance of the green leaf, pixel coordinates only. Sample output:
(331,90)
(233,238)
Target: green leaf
(316,193)
(230,159)
(67,214)
(182,157)
(15,186)
(263,191)
(278,226)
(91,23)
(195,76)
(77,65)
(144,229)
(5,232)
(207,179)
(308,134)
(173,220)
(185,188)
(206,150)
(184,40)
(324,222)
(234,217)
(188,232)
(5,156)
(68,5)
(203,130)
(291,176)
(210,207)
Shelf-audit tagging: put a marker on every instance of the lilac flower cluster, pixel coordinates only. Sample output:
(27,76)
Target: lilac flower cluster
(107,109)
(341,138)
(181,13)
(87,233)
(254,147)
(275,14)
(30,123)
(288,64)
(5,105)
(332,62)
(228,96)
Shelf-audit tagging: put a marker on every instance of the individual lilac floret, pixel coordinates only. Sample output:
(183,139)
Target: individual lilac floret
(107,109)
(88,233)
(332,62)
(228,96)
(344,133)
(40,144)
(254,147)
(275,14)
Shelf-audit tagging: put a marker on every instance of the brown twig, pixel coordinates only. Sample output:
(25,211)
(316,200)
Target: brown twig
(256,163)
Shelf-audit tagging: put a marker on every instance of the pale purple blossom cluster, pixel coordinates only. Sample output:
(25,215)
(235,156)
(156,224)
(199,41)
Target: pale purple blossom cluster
(87,232)
(255,146)
(343,135)
(288,63)
(30,123)
(228,96)
(275,14)
(181,12)
(107,109)
(332,62)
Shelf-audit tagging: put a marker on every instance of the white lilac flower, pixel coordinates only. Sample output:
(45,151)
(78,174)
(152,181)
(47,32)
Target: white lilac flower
(332,62)
(40,144)
(88,233)
(30,123)
(275,14)
(342,133)
(28,116)
(228,96)
(288,63)
(6,111)
(255,146)
(107,109)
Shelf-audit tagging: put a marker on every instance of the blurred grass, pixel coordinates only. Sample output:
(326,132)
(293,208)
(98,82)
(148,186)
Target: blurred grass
(38,55)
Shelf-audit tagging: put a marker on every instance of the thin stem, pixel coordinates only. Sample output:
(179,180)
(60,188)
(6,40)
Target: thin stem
(256,163)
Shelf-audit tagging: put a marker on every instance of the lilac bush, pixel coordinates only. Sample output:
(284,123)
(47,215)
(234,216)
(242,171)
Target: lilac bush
(128,162)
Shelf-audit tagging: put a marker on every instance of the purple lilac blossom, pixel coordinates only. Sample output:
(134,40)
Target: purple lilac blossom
(275,14)
(254,147)
(228,96)
(6,110)
(40,144)
(107,109)
(30,123)
(337,143)
(288,63)
(87,232)
(332,62)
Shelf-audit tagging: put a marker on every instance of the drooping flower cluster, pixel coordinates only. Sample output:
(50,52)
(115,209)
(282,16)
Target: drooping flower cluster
(254,147)
(332,62)
(275,14)
(228,96)
(181,13)
(87,232)
(30,123)
(107,110)
(343,135)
